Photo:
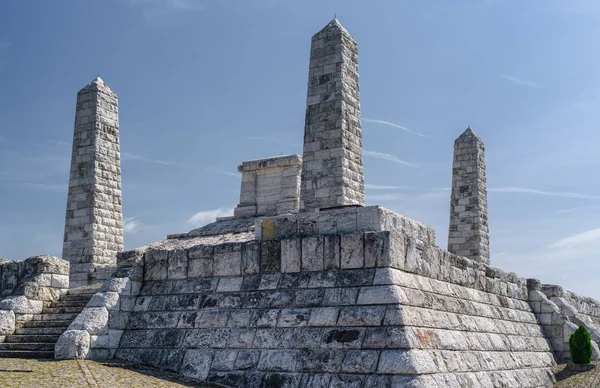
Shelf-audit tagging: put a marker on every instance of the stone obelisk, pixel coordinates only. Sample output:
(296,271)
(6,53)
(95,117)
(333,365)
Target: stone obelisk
(469,233)
(332,168)
(94,221)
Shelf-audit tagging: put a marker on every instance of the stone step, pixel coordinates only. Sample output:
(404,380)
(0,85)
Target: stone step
(71,303)
(44,354)
(31,338)
(26,346)
(61,323)
(77,297)
(39,330)
(85,290)
(55,317)
(61,310)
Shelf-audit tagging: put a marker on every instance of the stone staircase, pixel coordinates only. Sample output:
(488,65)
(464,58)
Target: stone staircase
(36,338)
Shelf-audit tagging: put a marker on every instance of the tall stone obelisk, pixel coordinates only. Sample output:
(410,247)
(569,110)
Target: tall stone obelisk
(332,168)
(94,220)
(469,233)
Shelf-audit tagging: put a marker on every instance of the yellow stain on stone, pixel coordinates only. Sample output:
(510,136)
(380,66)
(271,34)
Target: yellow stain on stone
(268,229)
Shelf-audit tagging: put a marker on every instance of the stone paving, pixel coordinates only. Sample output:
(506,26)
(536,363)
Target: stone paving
(568,379)
(15,372)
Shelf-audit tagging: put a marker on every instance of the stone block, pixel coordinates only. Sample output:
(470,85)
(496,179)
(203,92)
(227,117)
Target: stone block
(228,263)
(156,265)
(230,284)
(72,344)
(291,255)
(251,258)
(403,362)
(92,319)
(331,252)
(201,267)
(178,263)
(196,364)
(270,256)
(361,316)
(323,316)
(382,295)
(132,258)
(312,253)
(352,251)
(7,322)
(108,299)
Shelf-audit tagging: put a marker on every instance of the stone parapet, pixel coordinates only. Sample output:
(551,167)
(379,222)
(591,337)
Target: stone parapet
(270,186)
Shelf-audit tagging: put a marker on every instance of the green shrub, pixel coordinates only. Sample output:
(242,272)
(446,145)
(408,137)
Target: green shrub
(580,346)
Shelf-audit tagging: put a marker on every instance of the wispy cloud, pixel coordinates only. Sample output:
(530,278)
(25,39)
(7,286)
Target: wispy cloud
(578,239)
(126,156)
(574,209)
(388,157)
(131,225)
(207,216)
(152,9)
(385,187)
(520,81)
(522,190)
(395,126)
(269,140)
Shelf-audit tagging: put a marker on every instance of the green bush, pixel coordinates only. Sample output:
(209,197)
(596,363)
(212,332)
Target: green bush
(580,346)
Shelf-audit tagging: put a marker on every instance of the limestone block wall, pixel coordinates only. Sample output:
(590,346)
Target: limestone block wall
(364,308)
(270,186)
(27,286)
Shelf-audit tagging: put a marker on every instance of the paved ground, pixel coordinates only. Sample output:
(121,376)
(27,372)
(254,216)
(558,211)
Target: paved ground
(568,379)
(16,372)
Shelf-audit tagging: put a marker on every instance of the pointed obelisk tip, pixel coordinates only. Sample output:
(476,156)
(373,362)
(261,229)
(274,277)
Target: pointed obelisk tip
(468,134)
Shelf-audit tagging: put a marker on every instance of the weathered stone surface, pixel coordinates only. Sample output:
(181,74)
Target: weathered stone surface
(92,319)
(7,322)
(72,344)
(109,300)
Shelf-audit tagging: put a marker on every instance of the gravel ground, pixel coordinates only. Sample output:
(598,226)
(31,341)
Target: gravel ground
(15,372)
(569,379)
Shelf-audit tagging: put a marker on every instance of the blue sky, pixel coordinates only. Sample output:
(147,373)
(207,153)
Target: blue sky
(205,85)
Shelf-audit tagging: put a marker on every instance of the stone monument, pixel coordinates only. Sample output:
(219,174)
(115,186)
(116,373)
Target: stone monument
(94,221)
(332,168)
(469,234)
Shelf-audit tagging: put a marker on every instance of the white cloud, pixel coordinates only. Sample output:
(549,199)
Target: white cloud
(578,239)
(388,157)
(523,190)
(394,125)
(519,81)
(207,216)
(130,225)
